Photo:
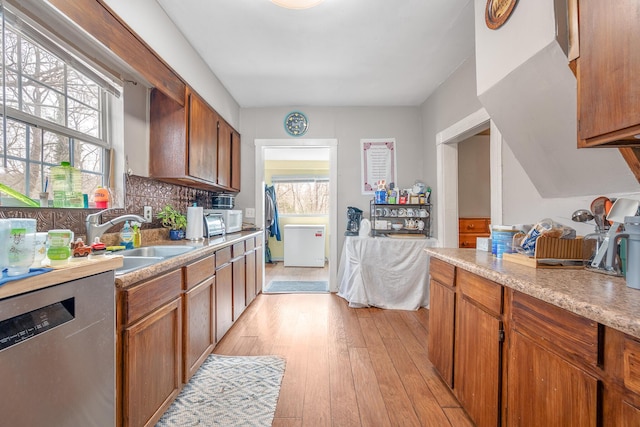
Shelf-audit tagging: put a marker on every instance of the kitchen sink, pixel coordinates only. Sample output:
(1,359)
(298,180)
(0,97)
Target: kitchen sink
(132,263)
(156,251)
(135,259)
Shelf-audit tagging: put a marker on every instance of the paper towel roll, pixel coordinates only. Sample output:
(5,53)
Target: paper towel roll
(195,229)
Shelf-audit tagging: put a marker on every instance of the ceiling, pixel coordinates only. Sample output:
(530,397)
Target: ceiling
(340,53)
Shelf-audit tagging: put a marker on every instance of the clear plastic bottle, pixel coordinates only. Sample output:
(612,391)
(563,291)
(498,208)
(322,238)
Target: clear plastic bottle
(67,186)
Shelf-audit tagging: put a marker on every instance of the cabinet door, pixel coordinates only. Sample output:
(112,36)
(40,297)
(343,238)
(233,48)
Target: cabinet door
(478,364)
(199,326)
(239,287)
(608,91)
(259,268)
(202,140)
(250,276)
(545,390)
(152,363)
(224,154)
(441,317)
(235,161)
(224,300)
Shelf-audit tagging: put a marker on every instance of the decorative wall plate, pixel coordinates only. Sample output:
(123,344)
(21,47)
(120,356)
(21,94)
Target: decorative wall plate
(296,123)
(497,12)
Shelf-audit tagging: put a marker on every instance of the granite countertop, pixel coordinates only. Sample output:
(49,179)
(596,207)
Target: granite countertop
(74,269)
(204,248)
(596,296)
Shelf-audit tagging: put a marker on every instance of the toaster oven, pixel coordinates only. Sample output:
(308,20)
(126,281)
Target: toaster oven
(232,218)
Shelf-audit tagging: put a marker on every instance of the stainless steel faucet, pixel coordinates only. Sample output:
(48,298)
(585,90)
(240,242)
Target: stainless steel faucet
(95,229)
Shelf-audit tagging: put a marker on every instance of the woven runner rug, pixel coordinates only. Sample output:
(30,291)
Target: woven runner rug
(229,391)
(297,286)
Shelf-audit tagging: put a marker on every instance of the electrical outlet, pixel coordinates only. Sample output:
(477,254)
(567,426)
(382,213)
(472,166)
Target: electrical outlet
(148,213)
(250,212)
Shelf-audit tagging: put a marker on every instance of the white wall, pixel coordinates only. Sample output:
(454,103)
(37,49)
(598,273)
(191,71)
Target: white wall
(348,126)
(474,186)
(136,129)
(529,29)
(522,203)
(525,84)
(150,22)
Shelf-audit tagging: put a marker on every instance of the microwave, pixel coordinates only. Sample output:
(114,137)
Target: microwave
(232,218)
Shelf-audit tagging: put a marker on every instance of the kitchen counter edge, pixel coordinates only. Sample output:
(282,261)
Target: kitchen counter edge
(206,247)
(599,297)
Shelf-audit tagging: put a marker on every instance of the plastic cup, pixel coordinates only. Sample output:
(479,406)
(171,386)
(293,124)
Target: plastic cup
(21,246)
(5,228)
(44,200)
(59,246)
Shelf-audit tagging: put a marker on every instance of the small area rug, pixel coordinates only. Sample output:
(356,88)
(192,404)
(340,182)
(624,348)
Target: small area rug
(297,286)
(229,391)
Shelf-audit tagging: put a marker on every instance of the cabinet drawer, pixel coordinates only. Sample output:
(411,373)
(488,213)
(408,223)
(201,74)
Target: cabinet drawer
(223,256)
(441,271)
(473,225)
(238,249)
(147,296)
(250,244)
(198,271)
(556,328)
(481,290)
(469,240)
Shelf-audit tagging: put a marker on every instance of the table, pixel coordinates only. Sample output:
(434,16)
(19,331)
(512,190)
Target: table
(385,272)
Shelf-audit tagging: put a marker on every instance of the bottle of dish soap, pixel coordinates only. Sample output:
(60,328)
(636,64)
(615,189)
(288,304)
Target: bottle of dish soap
(126,236)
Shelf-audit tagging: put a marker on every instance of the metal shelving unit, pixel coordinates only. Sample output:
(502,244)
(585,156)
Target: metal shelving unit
(414,218)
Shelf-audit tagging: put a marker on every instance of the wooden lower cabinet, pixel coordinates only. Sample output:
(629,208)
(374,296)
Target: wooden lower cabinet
(546,390)
(199,318)
(239,287)
(152,364)
(199,326)
(224,300)
(441,319)
(478,363)
(259,265)
(168,325)
(552,368)
(250,275)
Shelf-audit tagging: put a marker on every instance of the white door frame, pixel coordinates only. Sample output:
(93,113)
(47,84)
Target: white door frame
(332,145)
(447,173)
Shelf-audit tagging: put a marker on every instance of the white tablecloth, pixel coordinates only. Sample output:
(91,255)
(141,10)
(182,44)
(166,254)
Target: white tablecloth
(385,272)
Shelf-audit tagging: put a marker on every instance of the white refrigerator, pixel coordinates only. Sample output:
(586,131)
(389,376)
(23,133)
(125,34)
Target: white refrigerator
(304,245)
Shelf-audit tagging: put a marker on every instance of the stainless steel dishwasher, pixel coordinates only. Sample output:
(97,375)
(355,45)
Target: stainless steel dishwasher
(57,355)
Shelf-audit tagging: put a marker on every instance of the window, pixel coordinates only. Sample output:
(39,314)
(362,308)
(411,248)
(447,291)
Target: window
(302,195)
(55,108)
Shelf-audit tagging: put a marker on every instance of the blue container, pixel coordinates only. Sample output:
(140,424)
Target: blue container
(502,240)
(381,197)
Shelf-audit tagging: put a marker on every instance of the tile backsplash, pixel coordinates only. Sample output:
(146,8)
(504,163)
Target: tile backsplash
(139,192)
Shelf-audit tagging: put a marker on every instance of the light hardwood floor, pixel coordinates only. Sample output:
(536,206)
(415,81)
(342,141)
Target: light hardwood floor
(277,271)
(345,366)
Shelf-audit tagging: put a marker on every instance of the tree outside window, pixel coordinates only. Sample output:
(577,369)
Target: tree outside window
(302,196)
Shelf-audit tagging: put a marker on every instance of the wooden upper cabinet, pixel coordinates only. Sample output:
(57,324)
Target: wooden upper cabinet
(202,139)
(191,144)
(607,68)
(235,161)
(224,154)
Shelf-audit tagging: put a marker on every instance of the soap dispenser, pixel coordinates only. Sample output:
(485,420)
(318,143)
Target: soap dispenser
(126,236)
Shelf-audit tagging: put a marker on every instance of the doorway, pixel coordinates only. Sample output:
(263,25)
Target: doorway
(447,173)
(296,149)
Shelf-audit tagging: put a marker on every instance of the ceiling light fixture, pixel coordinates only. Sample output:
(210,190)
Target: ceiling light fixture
(297,4)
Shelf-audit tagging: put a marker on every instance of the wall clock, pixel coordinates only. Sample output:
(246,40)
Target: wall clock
(296,123)
(497,12)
